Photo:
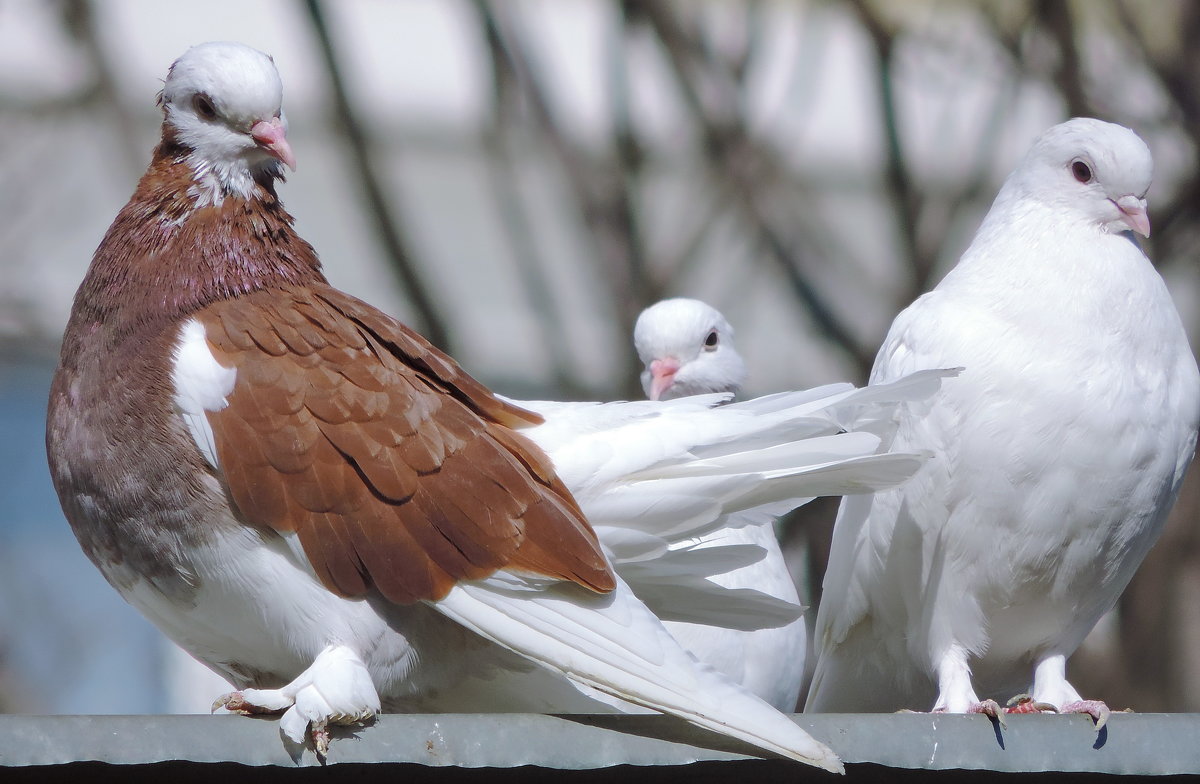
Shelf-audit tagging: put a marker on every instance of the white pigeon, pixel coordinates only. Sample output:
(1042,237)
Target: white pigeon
(1057,454)
(326,510)
(674,490)
(687,348)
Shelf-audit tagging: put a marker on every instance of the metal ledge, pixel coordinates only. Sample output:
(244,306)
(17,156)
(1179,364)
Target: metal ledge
(1132,744)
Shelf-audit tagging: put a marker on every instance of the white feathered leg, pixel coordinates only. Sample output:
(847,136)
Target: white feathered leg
(336,688)
(955,692)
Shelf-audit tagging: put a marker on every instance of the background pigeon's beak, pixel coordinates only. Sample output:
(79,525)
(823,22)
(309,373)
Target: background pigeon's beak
(662,376)
(272,137)
(1134,210)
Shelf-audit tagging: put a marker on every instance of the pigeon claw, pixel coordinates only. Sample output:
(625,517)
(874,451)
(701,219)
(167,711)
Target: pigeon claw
(1097,709)
(991,709)
(1023,703)
(318,730)
(236,702)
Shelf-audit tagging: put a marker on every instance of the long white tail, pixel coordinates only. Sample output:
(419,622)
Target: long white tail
(653,477)
(615,645)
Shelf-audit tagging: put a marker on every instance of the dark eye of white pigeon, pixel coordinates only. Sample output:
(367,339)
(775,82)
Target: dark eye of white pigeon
(1082,171)
(710,342)
(203,106)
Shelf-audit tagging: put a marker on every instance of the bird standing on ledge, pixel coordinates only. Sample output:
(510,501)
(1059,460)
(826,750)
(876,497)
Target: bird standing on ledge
(318,504)
(1057,454)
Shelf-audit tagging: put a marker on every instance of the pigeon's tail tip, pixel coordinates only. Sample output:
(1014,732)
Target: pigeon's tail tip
(821,757)
(825,760)
(833,764)
(781,735)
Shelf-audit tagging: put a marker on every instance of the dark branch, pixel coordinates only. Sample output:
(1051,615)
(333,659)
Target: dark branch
(396,249)
(731,150)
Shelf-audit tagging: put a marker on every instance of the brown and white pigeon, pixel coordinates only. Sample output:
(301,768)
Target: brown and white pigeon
(326,510)
(309,497)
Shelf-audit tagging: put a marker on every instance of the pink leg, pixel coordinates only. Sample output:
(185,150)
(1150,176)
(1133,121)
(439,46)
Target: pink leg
(989,708)
(1094,708)
(1023,703)
(236,702)
(320,738)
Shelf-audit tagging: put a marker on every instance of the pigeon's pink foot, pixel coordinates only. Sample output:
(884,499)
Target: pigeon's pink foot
(1023,703)
(319,730)
(1094,708)
(236,702)
(335,689)
(989,708)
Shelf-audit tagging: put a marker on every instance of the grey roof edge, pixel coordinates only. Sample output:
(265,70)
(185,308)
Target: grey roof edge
(1140,744)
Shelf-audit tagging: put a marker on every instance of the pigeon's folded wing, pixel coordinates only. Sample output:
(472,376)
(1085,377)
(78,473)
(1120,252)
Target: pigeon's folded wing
(340,429)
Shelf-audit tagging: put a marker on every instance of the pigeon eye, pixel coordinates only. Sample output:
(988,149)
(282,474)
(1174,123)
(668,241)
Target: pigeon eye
(1082,172)
(711,341)
(204,107)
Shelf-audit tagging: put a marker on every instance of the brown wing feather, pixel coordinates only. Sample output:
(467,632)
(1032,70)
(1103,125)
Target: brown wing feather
(394,467)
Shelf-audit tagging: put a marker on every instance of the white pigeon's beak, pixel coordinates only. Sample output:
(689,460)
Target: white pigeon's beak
(662,376)
(1134,210)
(271,136)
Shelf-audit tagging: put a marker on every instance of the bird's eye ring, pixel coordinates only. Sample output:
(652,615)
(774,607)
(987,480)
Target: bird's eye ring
(203,106)
(1082,171)
(711,341)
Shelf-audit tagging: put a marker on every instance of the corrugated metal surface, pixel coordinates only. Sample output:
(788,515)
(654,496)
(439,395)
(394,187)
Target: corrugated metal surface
(455,747)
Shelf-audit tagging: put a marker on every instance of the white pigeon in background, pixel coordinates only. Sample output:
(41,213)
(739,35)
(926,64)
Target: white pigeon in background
(687,348)
(1057,454)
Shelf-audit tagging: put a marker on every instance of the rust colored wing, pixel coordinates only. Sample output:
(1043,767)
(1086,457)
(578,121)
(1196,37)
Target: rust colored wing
(394,467)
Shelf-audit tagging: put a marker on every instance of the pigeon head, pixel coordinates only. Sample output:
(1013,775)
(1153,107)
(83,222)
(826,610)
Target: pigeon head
(1094,169)
(687,348)
(224,103)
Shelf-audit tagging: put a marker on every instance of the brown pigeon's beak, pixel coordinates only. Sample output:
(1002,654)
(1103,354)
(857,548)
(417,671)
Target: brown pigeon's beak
(272,138)
(662,376)
(1134,210)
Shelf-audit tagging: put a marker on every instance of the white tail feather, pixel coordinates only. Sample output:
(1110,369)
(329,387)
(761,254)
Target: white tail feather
(613,644)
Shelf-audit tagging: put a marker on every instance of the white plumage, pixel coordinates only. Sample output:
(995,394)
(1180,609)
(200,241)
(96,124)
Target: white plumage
(1057,454)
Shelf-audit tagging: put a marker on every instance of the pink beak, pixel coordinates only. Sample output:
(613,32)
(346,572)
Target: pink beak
(1134,210)
(662,376)
(272,138)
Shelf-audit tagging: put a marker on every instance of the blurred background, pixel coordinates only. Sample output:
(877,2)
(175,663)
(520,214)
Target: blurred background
(517,179)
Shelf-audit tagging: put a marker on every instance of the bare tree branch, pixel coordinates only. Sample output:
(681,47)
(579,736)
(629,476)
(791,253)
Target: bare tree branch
(1055,16)
(607,212)
(903,194)
(1178,76)
(79,18)
(729,147)
(396,248)
(503,179)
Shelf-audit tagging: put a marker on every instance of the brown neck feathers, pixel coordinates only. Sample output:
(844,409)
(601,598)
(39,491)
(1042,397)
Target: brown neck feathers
(164,258)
